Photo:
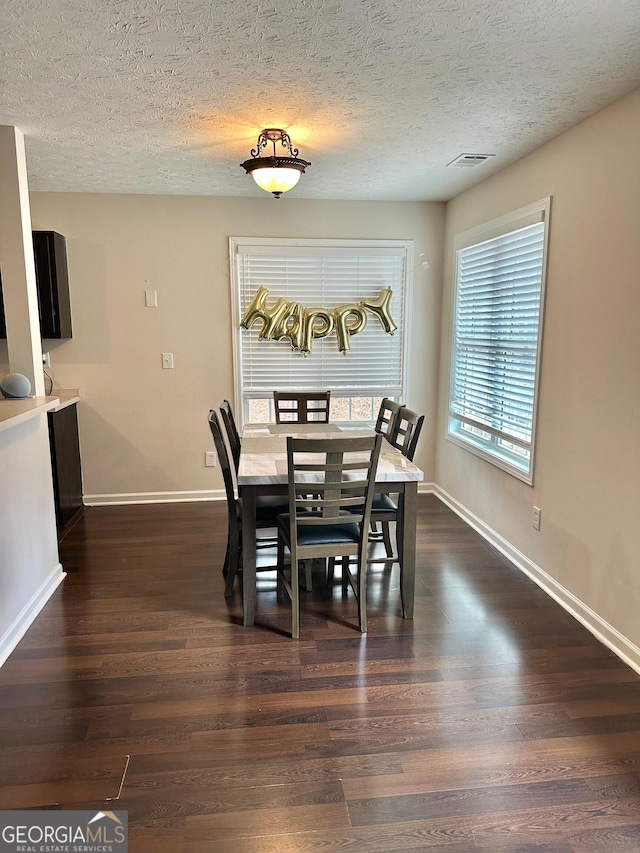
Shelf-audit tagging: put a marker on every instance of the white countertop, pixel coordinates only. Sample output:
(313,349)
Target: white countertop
(14,412)
(67,397)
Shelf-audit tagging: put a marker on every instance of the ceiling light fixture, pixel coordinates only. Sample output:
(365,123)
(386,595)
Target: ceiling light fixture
(275,174)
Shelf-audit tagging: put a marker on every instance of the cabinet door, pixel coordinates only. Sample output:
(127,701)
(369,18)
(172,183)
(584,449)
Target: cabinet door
(52,283)
(65,459)
(3,327)
(52,277)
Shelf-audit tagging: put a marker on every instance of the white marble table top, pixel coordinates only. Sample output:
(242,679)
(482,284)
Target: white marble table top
(304,430)
(263,459)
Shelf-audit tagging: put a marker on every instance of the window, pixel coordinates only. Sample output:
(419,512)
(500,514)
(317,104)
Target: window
(327,274)
(497,332)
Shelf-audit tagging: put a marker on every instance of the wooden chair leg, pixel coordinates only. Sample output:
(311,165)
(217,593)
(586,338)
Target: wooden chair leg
(362,592)
(295,599)
(280,569)
(225,565)
(233,552)
(331,570)
(308,583)
(344,562)
(386,538)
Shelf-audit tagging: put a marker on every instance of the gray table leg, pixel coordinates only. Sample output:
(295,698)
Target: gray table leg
(248,554)
(408,570)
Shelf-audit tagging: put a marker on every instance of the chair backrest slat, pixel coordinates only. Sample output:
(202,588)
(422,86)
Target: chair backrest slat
(348,466)
(303,486)
(302,407)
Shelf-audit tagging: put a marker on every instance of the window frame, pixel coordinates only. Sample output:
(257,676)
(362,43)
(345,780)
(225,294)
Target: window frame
(506,460)
(407,246)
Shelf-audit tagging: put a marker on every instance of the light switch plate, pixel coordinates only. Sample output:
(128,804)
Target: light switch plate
(537,514)
(151,298)
(167,360)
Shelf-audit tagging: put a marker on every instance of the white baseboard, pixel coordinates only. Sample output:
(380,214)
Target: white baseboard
(18,628)
(426,488)
(600,628)
(153,497)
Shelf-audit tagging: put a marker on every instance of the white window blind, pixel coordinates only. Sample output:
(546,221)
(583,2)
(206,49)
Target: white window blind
(496,340)
(322,275)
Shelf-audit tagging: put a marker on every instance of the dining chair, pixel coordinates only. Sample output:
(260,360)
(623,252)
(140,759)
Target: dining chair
(406,432)
(231,429)
(385,425)
(335,520)
(305,407)
(234,513)
(405,435)
(387,414)
(268,507)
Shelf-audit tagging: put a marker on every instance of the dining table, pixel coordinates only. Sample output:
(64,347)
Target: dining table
(262,470)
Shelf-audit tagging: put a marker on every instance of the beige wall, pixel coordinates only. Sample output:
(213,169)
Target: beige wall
(143,429)
(587,474)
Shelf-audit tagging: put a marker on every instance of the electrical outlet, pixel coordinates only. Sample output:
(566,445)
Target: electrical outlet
(46,359)
(167,361)
(210,459)
(535,521)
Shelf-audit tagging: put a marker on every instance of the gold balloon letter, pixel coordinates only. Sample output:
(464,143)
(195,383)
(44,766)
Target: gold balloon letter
(310,330)
(343,329)
(380,307)
(271,317)
(293,330)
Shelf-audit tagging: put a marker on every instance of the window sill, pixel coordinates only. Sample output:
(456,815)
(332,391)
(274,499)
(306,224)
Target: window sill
(526,475)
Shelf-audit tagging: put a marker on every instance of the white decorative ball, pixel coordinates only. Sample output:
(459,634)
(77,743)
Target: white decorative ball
(15,386)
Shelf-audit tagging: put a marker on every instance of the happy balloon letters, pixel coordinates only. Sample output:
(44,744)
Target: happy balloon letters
(291,321)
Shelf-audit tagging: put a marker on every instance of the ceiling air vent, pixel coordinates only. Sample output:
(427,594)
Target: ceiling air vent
(466,161)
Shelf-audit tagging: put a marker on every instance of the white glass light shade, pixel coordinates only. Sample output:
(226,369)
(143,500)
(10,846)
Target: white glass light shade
(276,180)
(273,174)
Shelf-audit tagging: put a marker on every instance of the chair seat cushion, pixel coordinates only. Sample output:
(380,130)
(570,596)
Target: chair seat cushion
(320,534)
(269,506)
(382,503)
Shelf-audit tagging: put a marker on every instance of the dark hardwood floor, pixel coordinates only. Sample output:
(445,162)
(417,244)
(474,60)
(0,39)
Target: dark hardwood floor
(493,721)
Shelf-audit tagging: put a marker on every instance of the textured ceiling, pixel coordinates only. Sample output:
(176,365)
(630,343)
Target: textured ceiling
(168,97)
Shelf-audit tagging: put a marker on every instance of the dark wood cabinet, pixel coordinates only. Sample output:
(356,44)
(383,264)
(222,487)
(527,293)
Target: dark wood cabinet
(65,461)
(52,277)
(52,281)
(3,325)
